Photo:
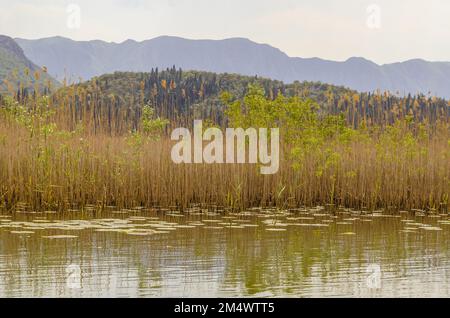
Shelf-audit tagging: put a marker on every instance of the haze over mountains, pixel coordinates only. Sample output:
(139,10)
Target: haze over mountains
(85,59)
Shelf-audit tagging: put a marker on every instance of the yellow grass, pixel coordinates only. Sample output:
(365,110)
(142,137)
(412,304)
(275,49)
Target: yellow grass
(74,169)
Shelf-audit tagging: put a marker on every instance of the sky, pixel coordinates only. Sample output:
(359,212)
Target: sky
(383,31)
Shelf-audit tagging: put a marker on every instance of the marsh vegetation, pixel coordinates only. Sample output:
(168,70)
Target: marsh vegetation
(106,142)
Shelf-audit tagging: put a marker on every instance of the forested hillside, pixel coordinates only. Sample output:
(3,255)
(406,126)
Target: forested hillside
(182,96)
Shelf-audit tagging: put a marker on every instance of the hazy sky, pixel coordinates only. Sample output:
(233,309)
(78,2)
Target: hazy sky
(381,30)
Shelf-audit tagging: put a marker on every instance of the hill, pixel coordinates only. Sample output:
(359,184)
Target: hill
(16,70)
(86,59)
(185,95)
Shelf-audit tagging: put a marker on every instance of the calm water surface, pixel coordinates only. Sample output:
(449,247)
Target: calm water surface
(299,253)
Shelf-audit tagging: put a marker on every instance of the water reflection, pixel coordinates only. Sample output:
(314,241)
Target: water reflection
(154,254)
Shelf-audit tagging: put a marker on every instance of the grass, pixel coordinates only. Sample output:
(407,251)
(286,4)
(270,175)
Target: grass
(45,165)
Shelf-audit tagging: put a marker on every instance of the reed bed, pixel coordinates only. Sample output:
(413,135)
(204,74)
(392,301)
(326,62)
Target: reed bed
(46,168)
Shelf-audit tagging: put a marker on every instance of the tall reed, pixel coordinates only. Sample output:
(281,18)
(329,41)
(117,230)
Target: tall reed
(59,152)
(61,170)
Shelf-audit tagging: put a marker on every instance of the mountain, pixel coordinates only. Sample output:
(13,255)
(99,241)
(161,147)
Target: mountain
(66,58)
(16,68)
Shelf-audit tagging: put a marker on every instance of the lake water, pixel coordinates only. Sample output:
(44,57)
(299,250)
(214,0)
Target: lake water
(257,253)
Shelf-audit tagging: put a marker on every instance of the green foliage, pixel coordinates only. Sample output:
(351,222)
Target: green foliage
(35,118)
(151,126)
(17,112)
(301,127)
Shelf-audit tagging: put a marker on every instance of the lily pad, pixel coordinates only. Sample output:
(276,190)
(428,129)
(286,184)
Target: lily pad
(22,232)
(57,237)
(276,230)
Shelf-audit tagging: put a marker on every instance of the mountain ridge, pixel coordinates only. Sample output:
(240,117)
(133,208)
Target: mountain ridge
(85,59)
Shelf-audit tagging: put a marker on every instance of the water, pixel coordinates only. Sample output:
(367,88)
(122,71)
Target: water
(303,253)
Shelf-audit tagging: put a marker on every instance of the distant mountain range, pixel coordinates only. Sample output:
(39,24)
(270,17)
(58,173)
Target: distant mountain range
(16,69)
(85,59)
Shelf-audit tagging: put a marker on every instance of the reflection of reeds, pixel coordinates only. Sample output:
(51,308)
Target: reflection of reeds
(67,169)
